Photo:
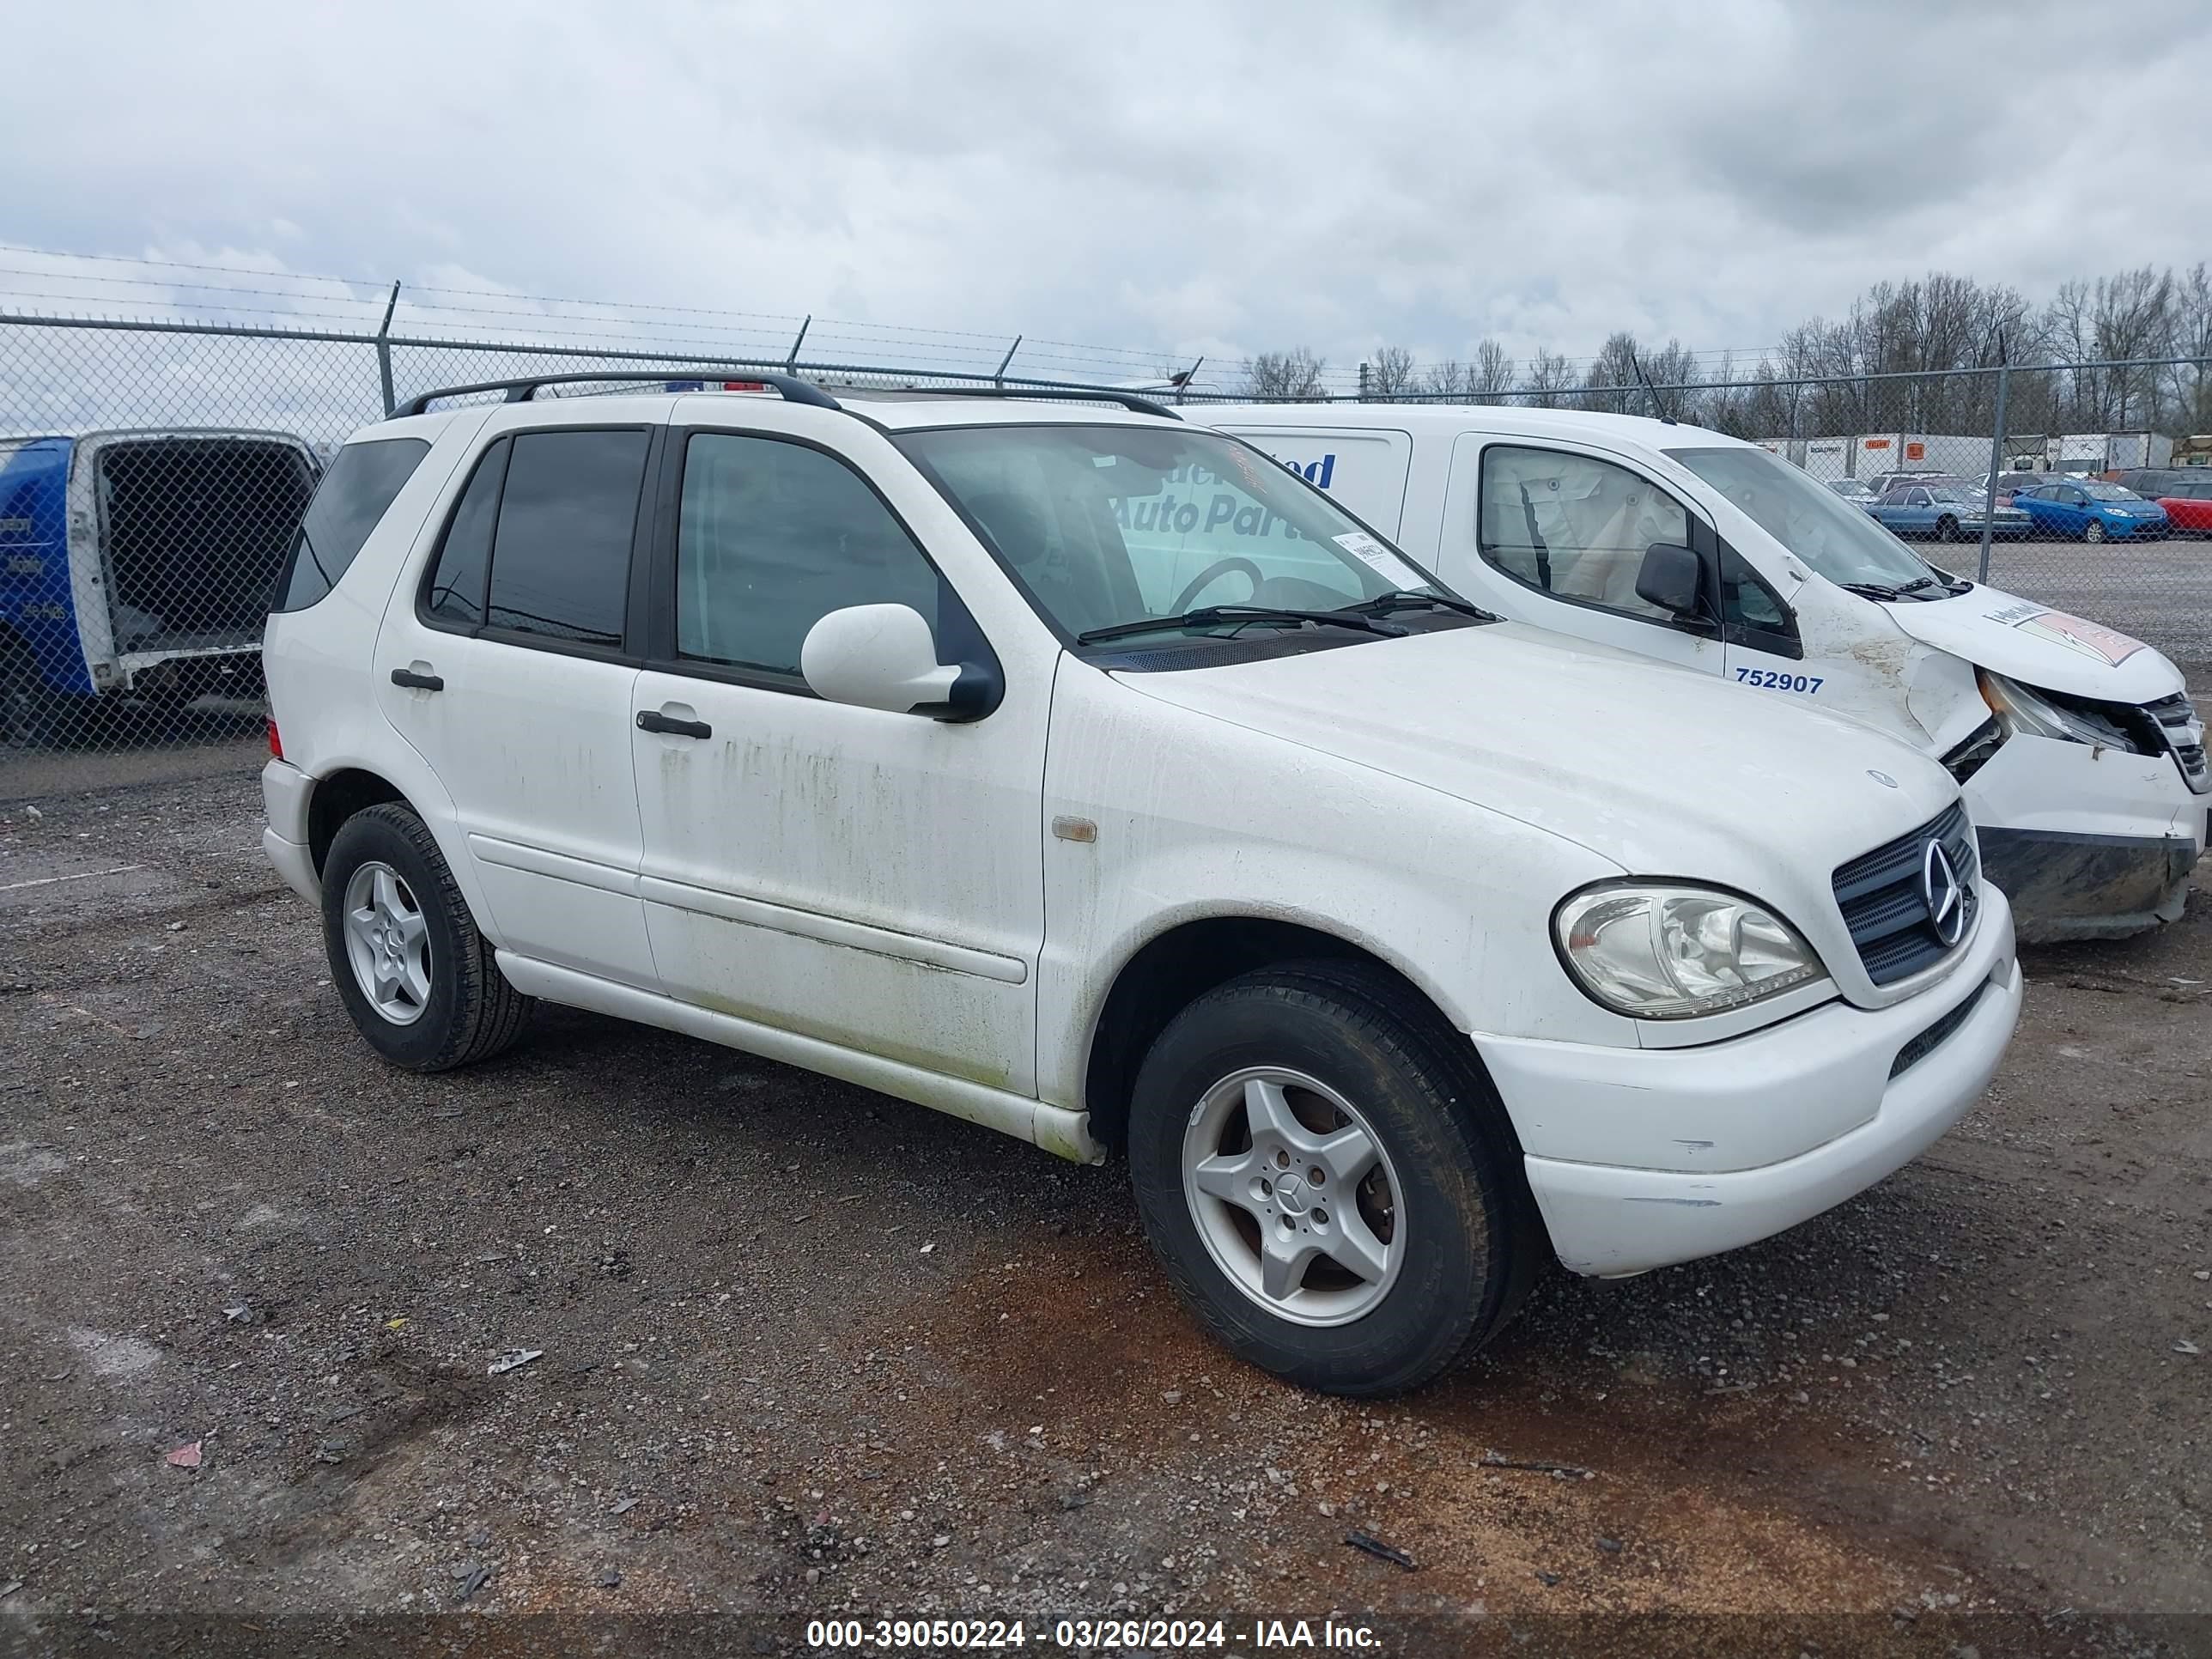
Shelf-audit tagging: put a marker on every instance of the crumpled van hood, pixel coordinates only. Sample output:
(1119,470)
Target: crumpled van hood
(2038,646)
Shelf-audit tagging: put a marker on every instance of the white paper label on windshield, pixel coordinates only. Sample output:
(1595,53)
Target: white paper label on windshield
(1380,559)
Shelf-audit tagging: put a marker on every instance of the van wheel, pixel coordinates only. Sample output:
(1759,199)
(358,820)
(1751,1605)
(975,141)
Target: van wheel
(33,715)
(1335,1189)
(417,977)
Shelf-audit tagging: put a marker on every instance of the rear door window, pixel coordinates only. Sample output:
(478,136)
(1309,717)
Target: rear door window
(354,494)
(454,595)
(561,556)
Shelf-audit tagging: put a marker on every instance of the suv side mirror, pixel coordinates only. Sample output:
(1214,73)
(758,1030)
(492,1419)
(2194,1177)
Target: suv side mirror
(1670,579)
(883,656)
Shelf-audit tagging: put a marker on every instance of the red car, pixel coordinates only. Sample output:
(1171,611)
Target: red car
(2187,504)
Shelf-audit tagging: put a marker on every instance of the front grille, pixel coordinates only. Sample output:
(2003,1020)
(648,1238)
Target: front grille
(1926,1043)
(1885,903)
(2177,722)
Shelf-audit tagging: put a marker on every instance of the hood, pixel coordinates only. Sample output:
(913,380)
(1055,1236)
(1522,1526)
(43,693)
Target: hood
(1664,771)
(2036,646)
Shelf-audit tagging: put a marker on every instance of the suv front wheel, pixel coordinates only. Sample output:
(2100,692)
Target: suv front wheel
(417,977)
(1333,1188)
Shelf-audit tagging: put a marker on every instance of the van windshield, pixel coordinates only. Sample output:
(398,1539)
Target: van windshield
(1840,541)
(1108,526)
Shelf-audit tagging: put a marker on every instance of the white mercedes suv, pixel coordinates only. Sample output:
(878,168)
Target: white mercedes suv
(907,739)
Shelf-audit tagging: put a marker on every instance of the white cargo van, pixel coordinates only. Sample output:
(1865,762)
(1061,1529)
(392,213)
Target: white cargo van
(2082,760)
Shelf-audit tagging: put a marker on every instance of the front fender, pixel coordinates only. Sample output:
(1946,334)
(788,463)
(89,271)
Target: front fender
(1195,819)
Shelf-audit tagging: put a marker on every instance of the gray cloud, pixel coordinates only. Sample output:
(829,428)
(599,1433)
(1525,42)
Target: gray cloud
(1211,178)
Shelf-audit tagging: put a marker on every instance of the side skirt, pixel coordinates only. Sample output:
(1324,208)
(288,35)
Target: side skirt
(1054,1128)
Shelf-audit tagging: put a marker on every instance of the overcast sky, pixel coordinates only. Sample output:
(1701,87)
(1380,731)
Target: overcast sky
(1190,177)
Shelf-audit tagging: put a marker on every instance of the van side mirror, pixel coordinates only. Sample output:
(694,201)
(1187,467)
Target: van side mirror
(1670,578)
(883,656)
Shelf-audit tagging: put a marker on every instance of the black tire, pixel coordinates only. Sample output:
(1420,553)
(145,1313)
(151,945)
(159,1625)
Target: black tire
(1947,529)
(2093,531)
(471,1012)
(33,715)
(1474,1241)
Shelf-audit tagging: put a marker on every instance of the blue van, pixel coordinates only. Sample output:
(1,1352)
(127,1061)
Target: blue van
(139,564)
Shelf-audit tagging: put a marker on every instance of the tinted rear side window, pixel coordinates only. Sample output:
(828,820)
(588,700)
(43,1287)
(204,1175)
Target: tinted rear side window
(455,592)
(560,564)
(354,494)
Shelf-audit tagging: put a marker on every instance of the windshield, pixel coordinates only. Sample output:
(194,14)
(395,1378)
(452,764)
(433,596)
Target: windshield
(1958,493)
(1105,525)
(1841,542)
(2105,492)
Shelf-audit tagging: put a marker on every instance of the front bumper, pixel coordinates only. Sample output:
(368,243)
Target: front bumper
(2078,886)
(1639,1158)
(2086,843)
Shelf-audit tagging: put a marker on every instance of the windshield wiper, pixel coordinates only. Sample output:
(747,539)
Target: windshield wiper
(1872,590)
(1917,584)
(1212,616)
(1401,599)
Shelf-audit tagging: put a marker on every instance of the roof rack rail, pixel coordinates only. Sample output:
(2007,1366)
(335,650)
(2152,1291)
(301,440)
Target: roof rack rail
(1051,392)
(793,389)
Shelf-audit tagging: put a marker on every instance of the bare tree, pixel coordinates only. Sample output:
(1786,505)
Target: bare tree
(2192,386)
(1914,355)
(1446,382)
(1491,376)
(1610,383)
(1549,377)
(2133,319)
(1390,375)
(1293,376)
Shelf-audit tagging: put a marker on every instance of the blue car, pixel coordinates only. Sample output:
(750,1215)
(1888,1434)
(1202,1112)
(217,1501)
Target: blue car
(1944,511)
(2091,509)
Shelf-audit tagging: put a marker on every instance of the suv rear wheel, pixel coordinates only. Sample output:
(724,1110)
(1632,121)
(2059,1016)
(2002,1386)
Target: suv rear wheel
(1333,1189)
(417,977)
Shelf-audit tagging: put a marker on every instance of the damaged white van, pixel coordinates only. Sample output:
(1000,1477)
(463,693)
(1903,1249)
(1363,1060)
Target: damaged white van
(2082,760)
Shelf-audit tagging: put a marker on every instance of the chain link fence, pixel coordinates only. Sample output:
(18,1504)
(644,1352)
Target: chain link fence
(152,480)
(152,477)
(1985,472)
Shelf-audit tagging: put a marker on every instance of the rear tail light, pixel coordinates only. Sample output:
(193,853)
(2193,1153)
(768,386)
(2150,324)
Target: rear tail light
(276,743)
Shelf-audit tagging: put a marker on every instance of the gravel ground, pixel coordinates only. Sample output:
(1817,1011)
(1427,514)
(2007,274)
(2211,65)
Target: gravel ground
(802,1350)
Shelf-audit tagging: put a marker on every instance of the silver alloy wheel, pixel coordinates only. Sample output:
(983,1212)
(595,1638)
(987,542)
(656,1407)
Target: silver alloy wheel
(2093,531)
(388,942)
(1292,1190)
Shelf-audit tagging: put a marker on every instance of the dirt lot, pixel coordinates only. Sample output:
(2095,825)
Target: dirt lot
(806,1350)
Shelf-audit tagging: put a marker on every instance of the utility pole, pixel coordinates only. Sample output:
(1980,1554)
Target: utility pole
(1997,459)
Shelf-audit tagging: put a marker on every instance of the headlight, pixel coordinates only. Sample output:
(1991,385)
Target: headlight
(1655,953)
(2020,709)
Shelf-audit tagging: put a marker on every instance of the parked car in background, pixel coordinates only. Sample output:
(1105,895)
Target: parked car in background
(2010,483)
(139,564)
(2187,502)
(1855,490)
(1882,483)
(2081,755)
(2091,509)
(2149,483)
(916,742)
(1946,511)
